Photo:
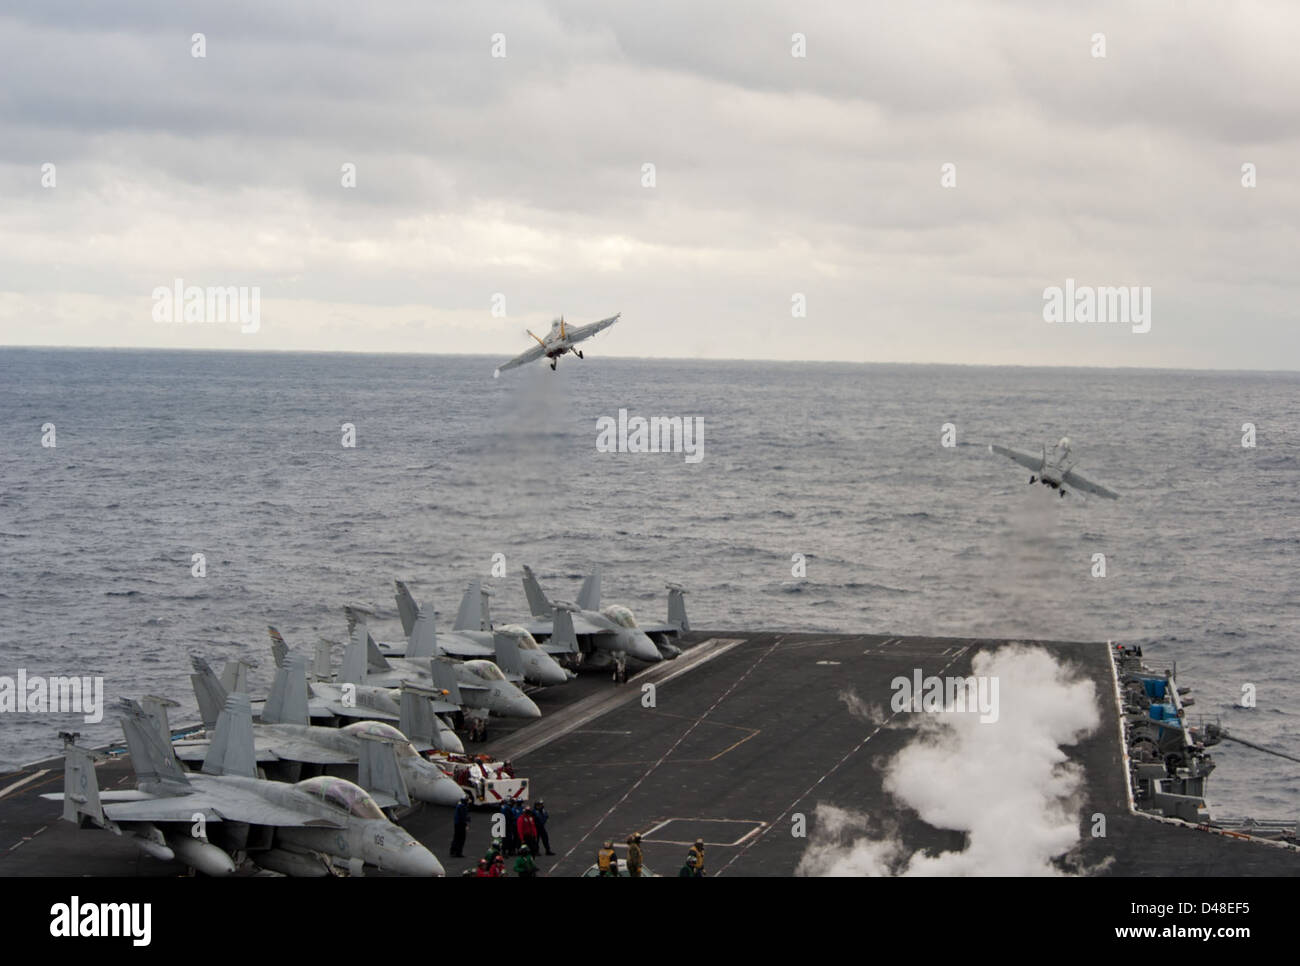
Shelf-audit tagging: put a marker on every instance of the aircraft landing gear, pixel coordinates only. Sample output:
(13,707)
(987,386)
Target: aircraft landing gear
(1061,493)
(579,352)
(620,669)
(478,726)
(1033,480)
(553,361)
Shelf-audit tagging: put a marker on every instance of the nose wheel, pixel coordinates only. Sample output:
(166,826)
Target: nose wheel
(553,361)
(579,352)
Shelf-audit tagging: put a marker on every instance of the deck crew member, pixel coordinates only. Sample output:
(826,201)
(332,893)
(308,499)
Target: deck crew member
(634,855)
(459,826)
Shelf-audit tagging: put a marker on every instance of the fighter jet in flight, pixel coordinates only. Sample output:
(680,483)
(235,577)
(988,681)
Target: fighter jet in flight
(284,741)
(561,339)
(205,818)
(1055,470)
(607,637)
(473,636)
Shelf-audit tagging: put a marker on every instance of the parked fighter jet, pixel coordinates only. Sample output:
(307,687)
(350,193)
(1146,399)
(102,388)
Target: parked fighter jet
(295,829)
(611,635)
(474,637)
(405,705)
(329,700)
(561,339)
(483,686)
(1055,470)
(286,741)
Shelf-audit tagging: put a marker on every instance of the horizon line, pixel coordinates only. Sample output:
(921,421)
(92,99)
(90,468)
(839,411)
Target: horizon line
(784,361)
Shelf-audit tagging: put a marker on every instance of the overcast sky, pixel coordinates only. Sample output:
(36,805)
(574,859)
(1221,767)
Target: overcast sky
(774,175)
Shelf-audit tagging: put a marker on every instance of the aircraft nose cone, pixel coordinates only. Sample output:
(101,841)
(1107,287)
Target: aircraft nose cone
(646,650)
(415,859)
(526,708)
(437,789)
(554,674)
(402,854)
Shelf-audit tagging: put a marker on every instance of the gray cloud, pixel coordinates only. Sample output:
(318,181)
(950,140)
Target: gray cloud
(775,175)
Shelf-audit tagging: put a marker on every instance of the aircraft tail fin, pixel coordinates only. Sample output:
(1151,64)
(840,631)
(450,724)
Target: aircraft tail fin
(470,615)
(321,668)
(507,656)
(677,608)
(407,608)
(589,596)
(424,637)
(152,758)
(155,709)
(416,721)
(208,690)
(563,639)
(287,702)
(279,649)
(81,787)
(374,656)
(485,609)
(359,631)
(230,752)
(379,773)
(234,676)
(444,679)
(537,602)
(354,661)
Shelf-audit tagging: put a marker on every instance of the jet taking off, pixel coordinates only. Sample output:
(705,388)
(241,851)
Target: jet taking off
(1055,470)
(561,339)
(294,829)
(612,633)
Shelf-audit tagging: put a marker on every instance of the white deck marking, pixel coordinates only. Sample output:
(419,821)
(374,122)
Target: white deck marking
(23,781)
(682,737)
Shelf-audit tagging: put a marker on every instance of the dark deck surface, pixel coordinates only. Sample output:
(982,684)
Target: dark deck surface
(746,730)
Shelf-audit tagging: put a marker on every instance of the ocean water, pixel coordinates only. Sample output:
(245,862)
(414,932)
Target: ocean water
(239,456)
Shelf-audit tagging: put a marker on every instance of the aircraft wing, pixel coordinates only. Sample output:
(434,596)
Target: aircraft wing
(196,749)
(460,647)
(1077,482)
(1029,462)
(533,354)
(587,331)
(275,748)
(216,805)
(329,708)
(659,628)
(581,627)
